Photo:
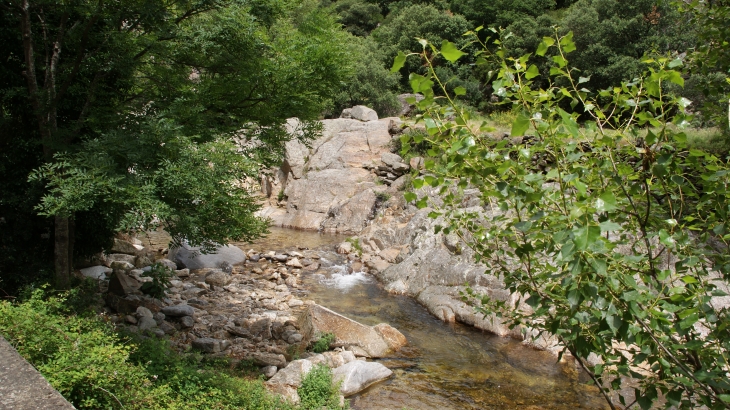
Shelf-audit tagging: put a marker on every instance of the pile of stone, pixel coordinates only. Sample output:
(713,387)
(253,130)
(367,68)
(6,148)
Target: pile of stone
(252,311)
(390,168)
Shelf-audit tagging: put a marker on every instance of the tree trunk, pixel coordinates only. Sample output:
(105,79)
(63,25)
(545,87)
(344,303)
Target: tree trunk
(62,252)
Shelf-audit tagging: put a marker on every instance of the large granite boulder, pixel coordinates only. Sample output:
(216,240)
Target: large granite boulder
(318,320)
(191,258)
(363,113)
(359,375)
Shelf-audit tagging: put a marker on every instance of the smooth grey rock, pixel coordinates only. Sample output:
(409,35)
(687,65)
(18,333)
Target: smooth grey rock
(363,113)
(269,371)
(122,284)
(218,278)
(96,272)
(391,159)
(207,345)
(269,359)
(346,113)
(182,273)
(293,373)
(167,328)
(357,375)
(406,107)
(178,310)
(122,265)
(294,263)
(143,311)
(187,322)
(190,257)
(168,264)
(280,257)
(146,322)
(294,339)
(125,247)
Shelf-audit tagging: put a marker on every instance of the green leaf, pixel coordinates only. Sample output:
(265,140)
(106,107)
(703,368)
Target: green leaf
(582,80)
(520,125)
(567,43)
(399,62)
(675,63)
(460,90)
(609,226)
(410,196)
(417,183)
(544,45)
(606,202)
(523,226)
(422,203)
(676,78)
(532,72)
(585,236)
(450,52)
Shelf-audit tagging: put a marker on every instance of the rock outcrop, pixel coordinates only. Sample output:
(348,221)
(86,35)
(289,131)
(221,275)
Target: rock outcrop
(332,185)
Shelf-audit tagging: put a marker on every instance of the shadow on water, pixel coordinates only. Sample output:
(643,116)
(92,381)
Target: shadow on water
(445,366)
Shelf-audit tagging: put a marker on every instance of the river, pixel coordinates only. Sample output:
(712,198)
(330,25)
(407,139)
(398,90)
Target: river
(444,366)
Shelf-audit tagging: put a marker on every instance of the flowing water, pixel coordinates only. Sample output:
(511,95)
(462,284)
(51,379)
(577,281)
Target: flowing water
(445,366)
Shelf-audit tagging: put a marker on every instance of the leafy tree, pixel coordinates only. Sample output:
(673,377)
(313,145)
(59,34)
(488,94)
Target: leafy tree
(711,57)
(151,110)
(501,12)
(358,16)
(401,30)
(613,235)
(370,83)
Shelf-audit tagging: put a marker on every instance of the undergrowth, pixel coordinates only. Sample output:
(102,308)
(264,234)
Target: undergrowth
(318,390)
(94,367)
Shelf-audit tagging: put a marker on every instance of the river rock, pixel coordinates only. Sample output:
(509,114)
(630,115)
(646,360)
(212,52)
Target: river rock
(178,310)
(405,107)
(344,248)
(144,312)
(168,264)
(121,246)
(294,263)
(121,257)
(268,359)
(358,375)
(363,113)
(187,322)
(145,323)
(269,371)
(122,284)
(293,373)
(122,266)
(319,320)
(96,272)
(391,335)
(217,278)
(207,345)
(391,159)
(190,257)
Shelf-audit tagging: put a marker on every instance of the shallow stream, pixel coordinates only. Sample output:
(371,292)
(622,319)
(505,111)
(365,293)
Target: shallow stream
(445,366)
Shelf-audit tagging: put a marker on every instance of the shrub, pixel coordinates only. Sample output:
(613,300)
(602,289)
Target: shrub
(322,344)
(93,367)
(160,275)
(318,390)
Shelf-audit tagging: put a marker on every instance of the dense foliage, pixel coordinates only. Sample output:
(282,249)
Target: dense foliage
(613,233)
(93,367)
(140,113)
